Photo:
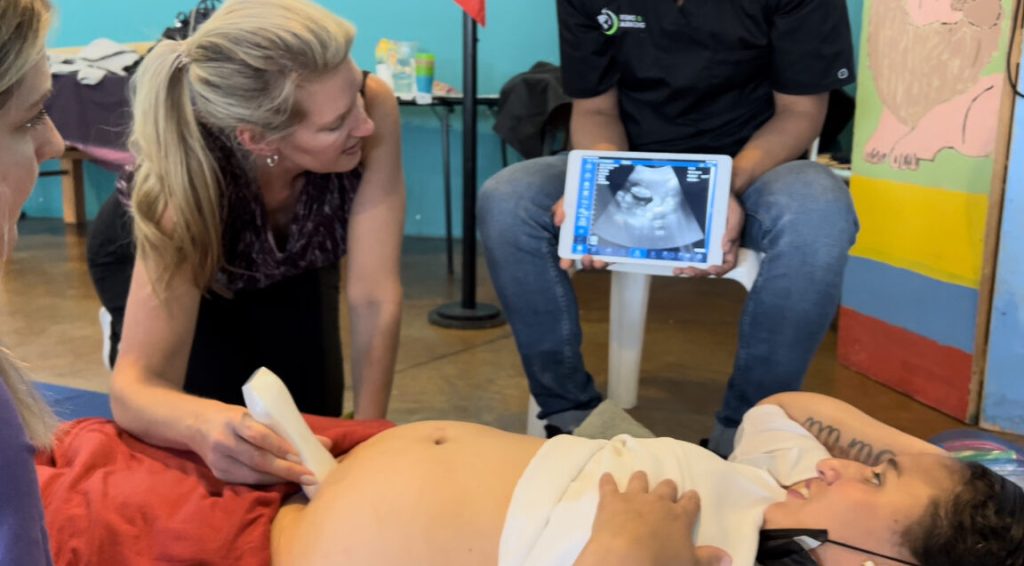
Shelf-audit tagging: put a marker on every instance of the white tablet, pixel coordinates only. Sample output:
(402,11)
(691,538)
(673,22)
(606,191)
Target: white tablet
(662,210)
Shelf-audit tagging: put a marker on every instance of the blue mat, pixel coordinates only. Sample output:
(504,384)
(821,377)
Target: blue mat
(1000,455)
(70,403)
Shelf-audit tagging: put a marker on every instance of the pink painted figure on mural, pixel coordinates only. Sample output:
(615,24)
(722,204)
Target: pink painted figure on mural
(927,57)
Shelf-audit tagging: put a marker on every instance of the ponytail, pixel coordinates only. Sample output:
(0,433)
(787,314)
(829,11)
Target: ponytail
(241,68)
(176,194)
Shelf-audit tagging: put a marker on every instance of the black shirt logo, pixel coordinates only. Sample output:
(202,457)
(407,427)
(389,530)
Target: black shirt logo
(609,21)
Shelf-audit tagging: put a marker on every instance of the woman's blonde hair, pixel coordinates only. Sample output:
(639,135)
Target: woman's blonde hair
(242,68)
(23,25)
(36,417)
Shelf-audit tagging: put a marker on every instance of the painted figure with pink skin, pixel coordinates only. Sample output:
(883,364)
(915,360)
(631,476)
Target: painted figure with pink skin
(927,57)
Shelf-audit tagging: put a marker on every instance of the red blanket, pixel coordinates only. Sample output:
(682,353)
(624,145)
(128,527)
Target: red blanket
(114,500)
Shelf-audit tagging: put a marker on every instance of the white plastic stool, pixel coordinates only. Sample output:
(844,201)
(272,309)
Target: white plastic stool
(627,321)
(105,322)
(534,426)
(628,318)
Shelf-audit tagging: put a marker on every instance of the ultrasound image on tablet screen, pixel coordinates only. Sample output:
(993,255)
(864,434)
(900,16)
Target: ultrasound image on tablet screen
(644,208)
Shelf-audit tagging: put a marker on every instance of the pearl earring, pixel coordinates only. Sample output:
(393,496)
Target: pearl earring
(272,160)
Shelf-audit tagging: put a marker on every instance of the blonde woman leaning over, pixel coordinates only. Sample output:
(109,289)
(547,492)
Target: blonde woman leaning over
(264,155)
(27,138)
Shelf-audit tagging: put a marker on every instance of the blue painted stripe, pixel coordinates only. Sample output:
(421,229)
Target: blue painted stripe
(942,312)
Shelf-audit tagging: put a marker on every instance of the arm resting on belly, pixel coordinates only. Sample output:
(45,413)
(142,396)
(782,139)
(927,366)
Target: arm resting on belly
(646,527)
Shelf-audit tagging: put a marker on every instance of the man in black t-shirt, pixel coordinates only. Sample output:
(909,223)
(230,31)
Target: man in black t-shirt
(748,78)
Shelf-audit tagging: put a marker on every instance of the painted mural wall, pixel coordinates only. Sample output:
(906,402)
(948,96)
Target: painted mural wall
(928,101)
(1002,404)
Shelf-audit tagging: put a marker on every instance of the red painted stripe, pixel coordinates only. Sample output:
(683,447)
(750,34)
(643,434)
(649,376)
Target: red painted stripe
(937,375)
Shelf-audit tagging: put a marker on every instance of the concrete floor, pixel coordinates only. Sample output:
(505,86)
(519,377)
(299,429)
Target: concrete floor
(48,317)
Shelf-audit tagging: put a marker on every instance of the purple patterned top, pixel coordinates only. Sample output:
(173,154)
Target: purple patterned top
(23,539)
(316,236)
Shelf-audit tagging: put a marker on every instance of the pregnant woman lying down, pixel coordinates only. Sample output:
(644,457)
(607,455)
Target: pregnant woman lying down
(463,494)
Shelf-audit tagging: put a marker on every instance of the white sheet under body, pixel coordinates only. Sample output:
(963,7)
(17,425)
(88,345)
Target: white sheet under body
(552,511)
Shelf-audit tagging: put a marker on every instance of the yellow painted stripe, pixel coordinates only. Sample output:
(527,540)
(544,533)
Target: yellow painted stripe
(935,232)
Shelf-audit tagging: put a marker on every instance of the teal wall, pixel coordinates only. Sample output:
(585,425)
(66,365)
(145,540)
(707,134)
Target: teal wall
(519,33)
(855,8)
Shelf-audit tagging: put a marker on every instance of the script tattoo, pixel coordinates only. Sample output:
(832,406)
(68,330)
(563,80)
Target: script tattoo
(853,449)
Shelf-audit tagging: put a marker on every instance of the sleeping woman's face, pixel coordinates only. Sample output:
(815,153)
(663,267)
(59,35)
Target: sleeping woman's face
(865,506)
(27,138)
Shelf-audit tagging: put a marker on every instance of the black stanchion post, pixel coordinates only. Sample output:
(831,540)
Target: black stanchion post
(467,313)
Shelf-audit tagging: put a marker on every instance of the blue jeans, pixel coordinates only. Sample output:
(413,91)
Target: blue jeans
(799,214)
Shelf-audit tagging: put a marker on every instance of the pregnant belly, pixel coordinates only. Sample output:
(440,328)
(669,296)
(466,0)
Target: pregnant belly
(425,493)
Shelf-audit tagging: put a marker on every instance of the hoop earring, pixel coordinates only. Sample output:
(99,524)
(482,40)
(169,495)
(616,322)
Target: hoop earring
(272,160)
